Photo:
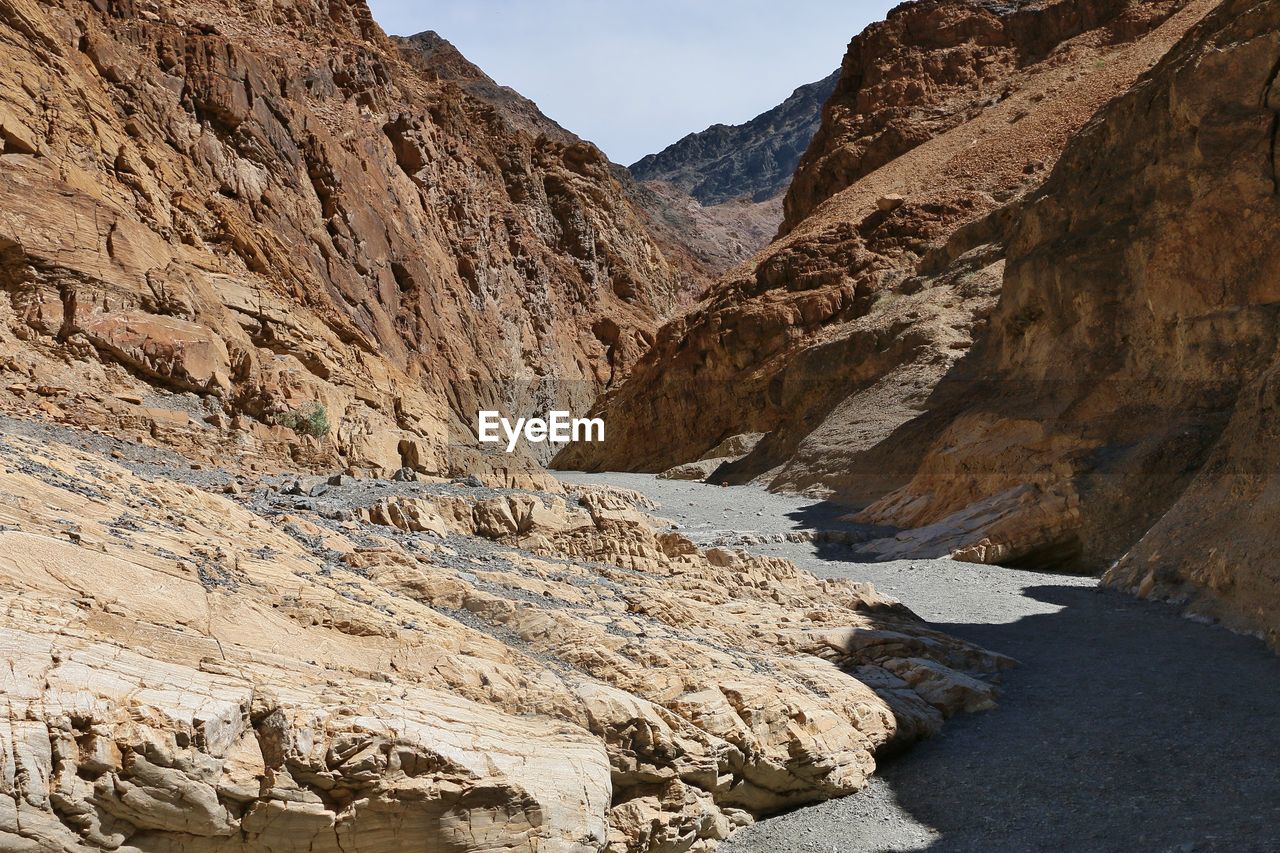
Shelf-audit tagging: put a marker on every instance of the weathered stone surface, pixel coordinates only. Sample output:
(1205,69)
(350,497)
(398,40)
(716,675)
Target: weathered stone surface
(833,339)
(709,239)
(700,470)
(271,206)
(1128,376)
(934,65)
(730,450)
(192,670)
(698,242)
(735,446)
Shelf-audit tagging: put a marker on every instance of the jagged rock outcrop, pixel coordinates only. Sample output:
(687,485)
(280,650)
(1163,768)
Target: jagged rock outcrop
(730,450)
(697,244)
(934,65)
(1121,407)
(836,335)
(351,664)
(438,57)
(267,205)
(718,193)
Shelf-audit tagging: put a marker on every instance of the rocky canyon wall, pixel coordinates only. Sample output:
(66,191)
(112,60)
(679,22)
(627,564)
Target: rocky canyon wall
(945,117)
(1122,406)
(935,65)
(271,208)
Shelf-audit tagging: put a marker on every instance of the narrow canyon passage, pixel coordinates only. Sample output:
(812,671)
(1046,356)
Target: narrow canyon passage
(1127,727)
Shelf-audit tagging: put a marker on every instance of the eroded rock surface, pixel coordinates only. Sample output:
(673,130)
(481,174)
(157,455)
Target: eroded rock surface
(271,206)
(1121,407)
(200,662)
(945,118)
(934,65)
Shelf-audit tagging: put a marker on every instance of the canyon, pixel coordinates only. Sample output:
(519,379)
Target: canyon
(834,336)
(989,327)
(262,589)
(911,390)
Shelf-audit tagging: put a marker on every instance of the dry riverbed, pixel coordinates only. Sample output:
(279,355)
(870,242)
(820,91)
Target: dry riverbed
(1127,727)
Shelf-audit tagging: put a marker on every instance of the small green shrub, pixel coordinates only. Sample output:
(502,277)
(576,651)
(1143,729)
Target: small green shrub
(308,419)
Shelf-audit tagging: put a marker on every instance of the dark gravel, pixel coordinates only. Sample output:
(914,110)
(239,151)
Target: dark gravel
(1127,728)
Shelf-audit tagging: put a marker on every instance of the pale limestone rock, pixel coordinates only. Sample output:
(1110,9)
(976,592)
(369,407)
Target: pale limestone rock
(735,446)
(203,679)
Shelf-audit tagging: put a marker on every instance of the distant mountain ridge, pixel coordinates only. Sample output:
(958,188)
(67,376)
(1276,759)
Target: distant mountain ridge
(755,159)
(711,200)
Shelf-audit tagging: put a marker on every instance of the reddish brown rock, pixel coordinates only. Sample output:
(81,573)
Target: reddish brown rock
(834,337)
(937,64)
(1129,373)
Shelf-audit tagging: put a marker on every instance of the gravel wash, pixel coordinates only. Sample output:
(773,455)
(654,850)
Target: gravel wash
(1127,727)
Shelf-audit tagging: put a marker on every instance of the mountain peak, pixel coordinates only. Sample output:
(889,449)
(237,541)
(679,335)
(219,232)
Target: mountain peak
(754,159)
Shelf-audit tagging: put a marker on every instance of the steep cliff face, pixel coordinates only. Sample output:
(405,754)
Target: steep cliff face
(704,241)
(692,242)
(1123,404)
(836,334)
(267,206)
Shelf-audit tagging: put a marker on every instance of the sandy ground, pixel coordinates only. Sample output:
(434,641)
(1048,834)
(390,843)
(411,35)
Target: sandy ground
(1128,727)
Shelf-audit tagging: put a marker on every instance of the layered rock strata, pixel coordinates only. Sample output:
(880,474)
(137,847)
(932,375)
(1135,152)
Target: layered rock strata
(1118,415)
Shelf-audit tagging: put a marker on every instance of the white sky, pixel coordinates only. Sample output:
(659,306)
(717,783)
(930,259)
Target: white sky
(633,76)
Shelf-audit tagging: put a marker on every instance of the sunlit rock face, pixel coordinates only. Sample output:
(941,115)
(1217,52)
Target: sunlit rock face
(946,117)
(341,663)
(272,204)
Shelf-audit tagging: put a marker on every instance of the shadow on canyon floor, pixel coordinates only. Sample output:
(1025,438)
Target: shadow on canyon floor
(830,517)
(1127,727)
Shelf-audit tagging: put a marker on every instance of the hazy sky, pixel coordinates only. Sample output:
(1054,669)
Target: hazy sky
(633,76)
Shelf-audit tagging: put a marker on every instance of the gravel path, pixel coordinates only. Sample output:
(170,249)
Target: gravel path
(1127,728)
